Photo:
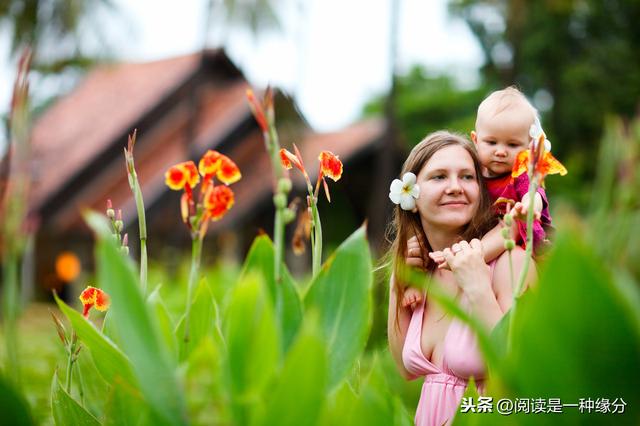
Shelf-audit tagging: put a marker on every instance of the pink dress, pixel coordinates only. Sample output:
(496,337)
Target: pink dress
(443,387)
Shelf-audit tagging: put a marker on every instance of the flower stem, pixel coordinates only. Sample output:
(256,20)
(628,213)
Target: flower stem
(317,237)
(533,188)
(196,251)
(142,222)
(10,311)
(273,148)
(70,361)
(134,184)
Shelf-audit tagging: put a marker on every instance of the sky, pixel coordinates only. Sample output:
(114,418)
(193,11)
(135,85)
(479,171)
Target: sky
(331,55)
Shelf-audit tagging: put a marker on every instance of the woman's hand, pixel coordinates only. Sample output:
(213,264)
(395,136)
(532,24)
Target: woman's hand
(466,261)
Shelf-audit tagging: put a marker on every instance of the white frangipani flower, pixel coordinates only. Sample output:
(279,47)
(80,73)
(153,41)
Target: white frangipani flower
(536,132)
(405,192)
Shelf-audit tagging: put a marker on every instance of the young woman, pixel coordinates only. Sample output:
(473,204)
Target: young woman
(451,212)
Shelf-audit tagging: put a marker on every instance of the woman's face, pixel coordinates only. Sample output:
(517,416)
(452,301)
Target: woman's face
(449,190)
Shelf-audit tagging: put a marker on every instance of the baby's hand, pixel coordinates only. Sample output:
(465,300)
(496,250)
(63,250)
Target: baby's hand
(438,257)
(412,298)
(520,211)
(413,255)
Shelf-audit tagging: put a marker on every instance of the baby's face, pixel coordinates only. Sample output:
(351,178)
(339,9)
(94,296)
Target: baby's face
(499,138)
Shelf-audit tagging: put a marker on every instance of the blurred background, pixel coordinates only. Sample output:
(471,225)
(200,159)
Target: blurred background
(364,79)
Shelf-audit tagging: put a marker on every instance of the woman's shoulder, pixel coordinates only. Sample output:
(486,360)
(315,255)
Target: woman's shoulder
(502,269)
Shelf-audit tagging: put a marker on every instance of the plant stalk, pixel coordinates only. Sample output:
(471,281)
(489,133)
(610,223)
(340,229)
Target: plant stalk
(196,252)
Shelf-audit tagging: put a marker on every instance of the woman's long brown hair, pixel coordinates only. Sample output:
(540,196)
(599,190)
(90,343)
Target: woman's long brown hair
(406,224)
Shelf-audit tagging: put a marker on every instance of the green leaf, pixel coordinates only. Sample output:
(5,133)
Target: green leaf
(296,398)
(124,406)
(164,323)
(94,387)
(66,411)
(252,345)
(109,360)
(204,317)
(375,405)
(284,295)
(138,332)
(576,338)
(341,293)
(13,406)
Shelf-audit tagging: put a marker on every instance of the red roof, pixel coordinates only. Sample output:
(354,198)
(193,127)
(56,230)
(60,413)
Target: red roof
(106,103)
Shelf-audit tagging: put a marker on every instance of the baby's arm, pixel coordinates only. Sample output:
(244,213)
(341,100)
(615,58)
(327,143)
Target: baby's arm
(492,245)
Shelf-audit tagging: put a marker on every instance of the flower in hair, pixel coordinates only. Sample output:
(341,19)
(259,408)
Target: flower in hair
(405,192)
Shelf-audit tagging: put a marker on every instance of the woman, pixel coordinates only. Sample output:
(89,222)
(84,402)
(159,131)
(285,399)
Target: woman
(452,209)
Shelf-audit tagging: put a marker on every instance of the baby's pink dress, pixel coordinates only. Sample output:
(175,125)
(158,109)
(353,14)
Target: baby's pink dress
(443,387)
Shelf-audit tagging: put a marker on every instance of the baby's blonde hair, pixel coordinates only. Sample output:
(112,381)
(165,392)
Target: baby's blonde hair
(502,100)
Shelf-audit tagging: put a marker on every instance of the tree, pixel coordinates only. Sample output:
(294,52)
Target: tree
(584,53)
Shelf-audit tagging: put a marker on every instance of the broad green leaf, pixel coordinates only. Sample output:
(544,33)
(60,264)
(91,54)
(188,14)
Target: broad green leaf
(13,405)
(138,332)
(338,409)
(575,338)
(87,377)
(299,391)
(202,322)
(109,360)
(252,345)
(66,411)
(164,323)
(341,293)
(375,405)
(124,406)
(284,295)
(208,400)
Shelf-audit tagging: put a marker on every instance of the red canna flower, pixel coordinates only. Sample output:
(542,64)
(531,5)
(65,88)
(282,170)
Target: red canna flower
(182,175)
(94,297)
(330,165)
(289,160)
(218,200)
(286,163)
(229,171)
(209,163)
(214,163)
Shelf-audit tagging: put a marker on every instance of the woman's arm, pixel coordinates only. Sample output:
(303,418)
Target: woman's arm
(501,276)
(397,330)
(489,298)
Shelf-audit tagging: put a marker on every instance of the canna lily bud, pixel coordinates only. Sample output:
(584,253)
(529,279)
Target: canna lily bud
(111,214)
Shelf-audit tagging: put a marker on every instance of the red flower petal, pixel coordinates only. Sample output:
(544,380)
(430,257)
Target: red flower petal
(228,172)
(330,165)
(218,201)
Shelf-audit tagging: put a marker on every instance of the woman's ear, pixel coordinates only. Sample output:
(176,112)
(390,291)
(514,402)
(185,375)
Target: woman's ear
(474,137)
(414,210)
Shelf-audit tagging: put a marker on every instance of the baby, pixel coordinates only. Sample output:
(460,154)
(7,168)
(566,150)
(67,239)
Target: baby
(503,122)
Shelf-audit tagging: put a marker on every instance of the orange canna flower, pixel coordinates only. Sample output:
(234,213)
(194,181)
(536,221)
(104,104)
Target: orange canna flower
(209,163)
(330,165)
(286,163)
(229,171)
(214,163)
(218,200)
(289,160)
(182,175)
(94,297)
(545,165)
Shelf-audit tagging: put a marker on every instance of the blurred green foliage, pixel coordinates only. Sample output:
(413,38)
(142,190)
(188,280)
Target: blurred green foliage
(583,53)
(427,102)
